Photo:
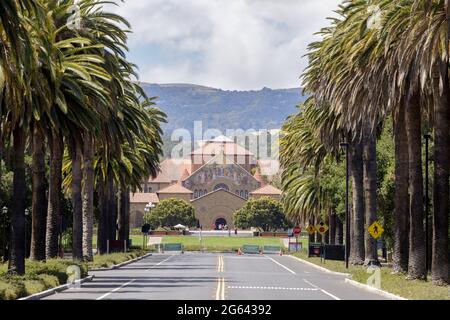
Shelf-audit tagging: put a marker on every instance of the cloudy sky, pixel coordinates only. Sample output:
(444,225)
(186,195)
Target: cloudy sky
(227,44)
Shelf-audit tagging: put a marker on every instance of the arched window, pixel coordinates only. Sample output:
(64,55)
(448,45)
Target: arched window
(149,190)
(205,192)
(246,194)
(195,193)
(221,186)
(241,193)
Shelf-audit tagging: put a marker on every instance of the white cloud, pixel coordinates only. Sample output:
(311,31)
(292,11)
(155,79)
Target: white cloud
(229,44)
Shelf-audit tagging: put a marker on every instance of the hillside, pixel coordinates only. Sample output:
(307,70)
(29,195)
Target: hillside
(219,109)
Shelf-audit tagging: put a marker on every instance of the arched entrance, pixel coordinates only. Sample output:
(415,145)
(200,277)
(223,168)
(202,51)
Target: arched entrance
(220,223)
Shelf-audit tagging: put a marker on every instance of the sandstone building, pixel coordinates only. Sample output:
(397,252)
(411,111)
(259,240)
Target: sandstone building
(216,180)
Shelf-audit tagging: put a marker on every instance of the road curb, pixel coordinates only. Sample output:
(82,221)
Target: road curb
(374,290)
(117,266)
(320,268)
(52,291)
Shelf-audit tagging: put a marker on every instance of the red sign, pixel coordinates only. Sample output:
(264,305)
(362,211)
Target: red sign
(297,230)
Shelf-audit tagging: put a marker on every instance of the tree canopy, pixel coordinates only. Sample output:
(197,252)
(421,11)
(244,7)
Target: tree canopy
(170,212)
(265,213)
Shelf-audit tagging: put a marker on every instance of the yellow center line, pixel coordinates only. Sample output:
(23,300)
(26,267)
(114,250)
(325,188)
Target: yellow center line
(223,289)
(220,292)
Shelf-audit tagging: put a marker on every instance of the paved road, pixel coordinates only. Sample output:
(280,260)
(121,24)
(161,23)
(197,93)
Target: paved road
(208,276)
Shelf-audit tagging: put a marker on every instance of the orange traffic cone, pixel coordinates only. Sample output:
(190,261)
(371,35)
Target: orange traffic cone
(239,252)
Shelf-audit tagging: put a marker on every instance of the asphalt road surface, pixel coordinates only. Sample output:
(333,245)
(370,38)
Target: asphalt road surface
(210,276)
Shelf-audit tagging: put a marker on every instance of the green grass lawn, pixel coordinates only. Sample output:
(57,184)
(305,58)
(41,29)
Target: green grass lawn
(135,240)
(393,283)
(223,244)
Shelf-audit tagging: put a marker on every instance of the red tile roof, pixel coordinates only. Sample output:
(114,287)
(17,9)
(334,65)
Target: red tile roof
(260,179)
(144,198)
(161,178)
(175,188)
(185,175)
(268,189)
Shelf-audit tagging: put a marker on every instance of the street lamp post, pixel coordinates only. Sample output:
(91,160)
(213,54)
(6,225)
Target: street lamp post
(148,208)
(427,198)
(5,213)
(347,211)
(27,213)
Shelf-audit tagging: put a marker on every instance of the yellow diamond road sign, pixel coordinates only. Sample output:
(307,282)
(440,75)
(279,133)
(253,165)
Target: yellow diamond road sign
(310,229)
(322,228)
(376,230)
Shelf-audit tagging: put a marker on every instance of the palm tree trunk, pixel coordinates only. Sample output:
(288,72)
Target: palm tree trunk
(370,194)
(112,208)
(416,267)
(39,199)
(441,205)
(88,197)
(312,237)
(401,200)
(102,231)
(357,173)
(54,196)
(326,236)
(17,232)
(77,229)
(124,215)
(339,231)
(332,228)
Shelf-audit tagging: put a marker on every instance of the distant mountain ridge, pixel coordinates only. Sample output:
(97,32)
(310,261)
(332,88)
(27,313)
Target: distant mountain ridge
(220,109)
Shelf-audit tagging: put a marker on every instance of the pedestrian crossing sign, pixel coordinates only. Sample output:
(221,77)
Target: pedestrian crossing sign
(322,228)
(376,230)
(310,229)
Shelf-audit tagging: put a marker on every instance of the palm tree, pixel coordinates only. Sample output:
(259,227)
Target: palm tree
(401,211)
(88,196)
(16,67)
(357,248)
(416,267)
(370,194)
(39,199)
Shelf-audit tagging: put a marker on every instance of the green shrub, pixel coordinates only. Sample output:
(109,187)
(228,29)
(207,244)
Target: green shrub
(49,281)
(33,286)
(54,267)
(9,291)
(109,260)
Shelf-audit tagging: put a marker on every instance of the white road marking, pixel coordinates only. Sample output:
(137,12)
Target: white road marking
(281,265)
(273,288)
(246,257)
(129,282)
(116,289)
(324,291)
(160,263)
